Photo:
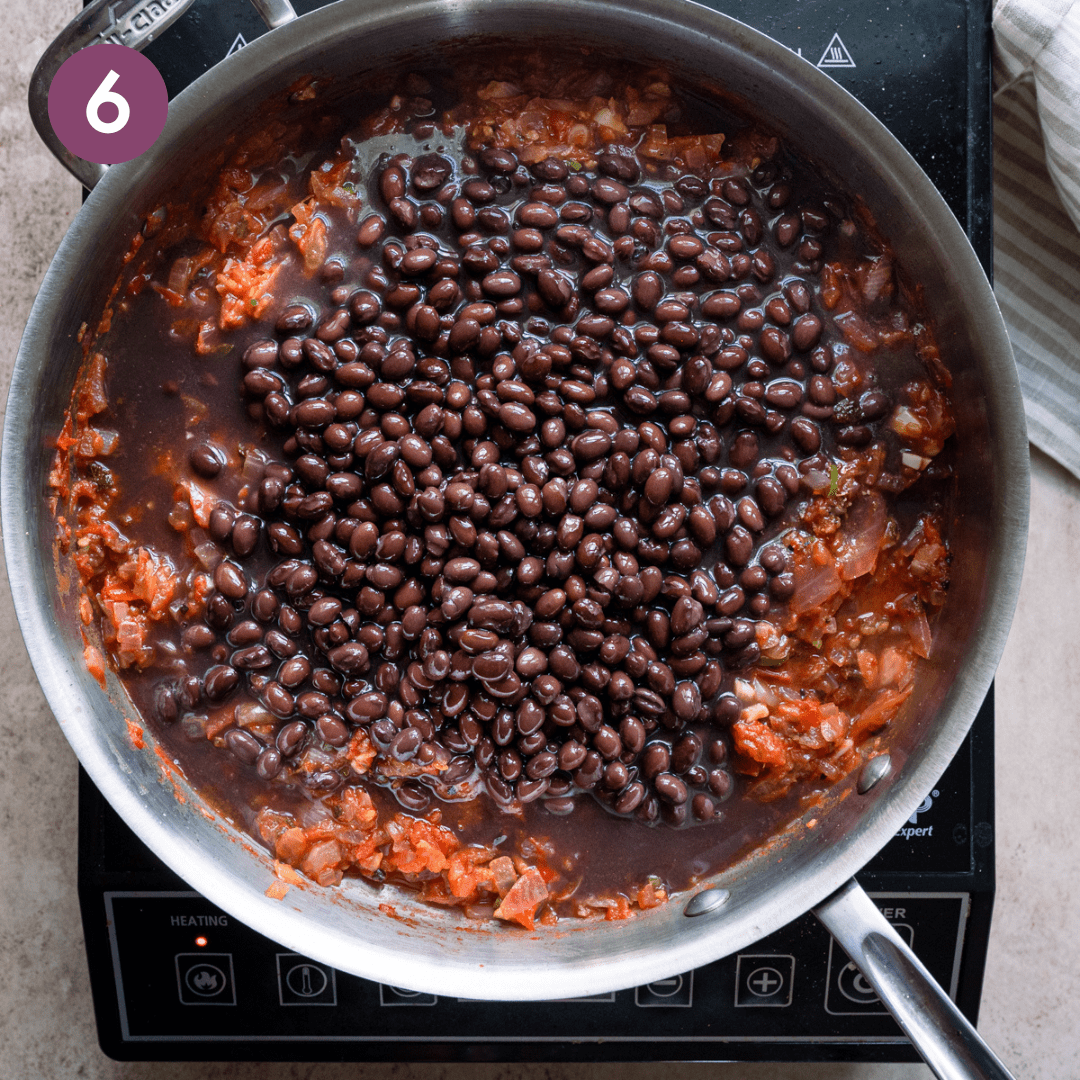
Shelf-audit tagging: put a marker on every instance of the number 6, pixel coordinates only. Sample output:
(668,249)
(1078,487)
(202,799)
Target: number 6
(104,93)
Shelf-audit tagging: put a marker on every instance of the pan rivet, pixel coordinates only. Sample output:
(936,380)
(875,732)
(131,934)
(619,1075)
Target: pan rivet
(708,900)
(875,769)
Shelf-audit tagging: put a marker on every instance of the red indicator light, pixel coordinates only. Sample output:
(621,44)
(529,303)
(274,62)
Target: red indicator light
(201,942)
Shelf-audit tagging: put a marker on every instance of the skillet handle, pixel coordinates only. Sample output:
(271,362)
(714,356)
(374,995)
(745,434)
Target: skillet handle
(134,23)
(938,1030)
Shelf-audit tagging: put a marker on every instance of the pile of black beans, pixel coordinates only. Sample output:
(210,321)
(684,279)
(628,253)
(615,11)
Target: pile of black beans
(541,428)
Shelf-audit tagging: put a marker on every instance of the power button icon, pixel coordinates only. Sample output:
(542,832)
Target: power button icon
(848,991)
(853,984)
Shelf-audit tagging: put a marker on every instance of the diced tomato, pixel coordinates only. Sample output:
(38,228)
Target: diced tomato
(651,895)
(524,898)
(95,663)
(759,743)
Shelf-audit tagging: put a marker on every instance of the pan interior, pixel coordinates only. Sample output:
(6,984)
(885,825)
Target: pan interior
(425,948)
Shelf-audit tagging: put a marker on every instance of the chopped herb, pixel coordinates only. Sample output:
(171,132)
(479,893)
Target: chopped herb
(834,478)
(349,187)
(575,165)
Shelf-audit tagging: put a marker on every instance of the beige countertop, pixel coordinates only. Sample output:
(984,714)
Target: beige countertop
(46,1016)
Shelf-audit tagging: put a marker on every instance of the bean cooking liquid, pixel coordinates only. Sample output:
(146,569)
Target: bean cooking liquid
(536,480)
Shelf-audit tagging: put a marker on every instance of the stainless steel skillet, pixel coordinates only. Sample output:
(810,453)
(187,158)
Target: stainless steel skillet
(428,949)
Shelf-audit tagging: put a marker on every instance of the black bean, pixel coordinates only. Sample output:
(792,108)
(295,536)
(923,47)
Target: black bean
(245,534)
(670,788)
(332,730)
(243,745)
(207,460)
(404,745)
(686,702)
(630,798)
(607,741)
(268,763)
(571,755)
(165,703)
(198,636)
(295,317)
(739,545)
(478,191)
(430,171)
(805,434)
(656,759)
(616,776)
(253,658)
(750,514)
(720,783)
(291,737)
(854,435)
(501,284)
(220,681)
(412,796)
(771,496)
(873,404)
(294,671)
(806,332)
(742,632)
(349,658)
(821,390)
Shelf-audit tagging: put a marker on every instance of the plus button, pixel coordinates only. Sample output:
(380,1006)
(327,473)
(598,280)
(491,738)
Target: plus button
(764,981)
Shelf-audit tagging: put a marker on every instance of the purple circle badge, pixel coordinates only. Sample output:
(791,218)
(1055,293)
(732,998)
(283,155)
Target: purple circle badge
(108,103)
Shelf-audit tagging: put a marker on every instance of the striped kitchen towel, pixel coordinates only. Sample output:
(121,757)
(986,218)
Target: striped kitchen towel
(1037,211)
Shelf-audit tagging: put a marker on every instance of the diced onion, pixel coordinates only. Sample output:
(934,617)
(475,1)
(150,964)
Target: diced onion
(814,586)
(255,462)
(905,422)
(918,629)
(248,713)
(498,91)
(744,690)
(880,275)
(208,554)
(861,536)
(180,274)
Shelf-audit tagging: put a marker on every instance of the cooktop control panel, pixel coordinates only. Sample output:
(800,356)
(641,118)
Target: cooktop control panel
(186,972)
